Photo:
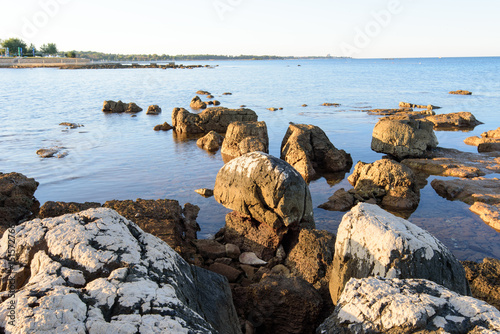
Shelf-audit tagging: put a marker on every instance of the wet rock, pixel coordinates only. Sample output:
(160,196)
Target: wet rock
(197,103)
(484,280)
(279,304)
(454,121)
(392,184)
(492,136)
(408,105)
(309,151)
(478,189)
(373,242)
(461,92)
(17,200)
(71,125)
(153,110)
(403,138)
(327,104)
(97,272)
(341,200)
(244,137)
(48,152)
(163,127)
(211,142)
(229,272)
(216,119)
(205,192)
(249,258)
(55,209)
(163,218)
(119,107)
(379,305)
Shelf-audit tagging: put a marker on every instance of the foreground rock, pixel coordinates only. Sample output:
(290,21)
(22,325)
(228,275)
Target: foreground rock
(408,105)
(244,137)
(484,280)
(377,305)
(454,121)
(153,110)
(211,142)
(96,272)
(212,119)
(391,184)
(119,107)
(461,92)
(403,138)
(270,198)
(373,242)
(197,103)
(17,200)
(309,151)
(55,209)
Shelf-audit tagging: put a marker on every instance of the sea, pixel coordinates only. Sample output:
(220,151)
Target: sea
(116,156)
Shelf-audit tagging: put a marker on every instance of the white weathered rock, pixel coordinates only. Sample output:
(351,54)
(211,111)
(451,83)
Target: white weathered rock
(96,272)
(373,242)
(377,305)
(251,259)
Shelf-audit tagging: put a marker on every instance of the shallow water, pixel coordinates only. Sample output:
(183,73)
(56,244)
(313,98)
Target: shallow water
(120,157)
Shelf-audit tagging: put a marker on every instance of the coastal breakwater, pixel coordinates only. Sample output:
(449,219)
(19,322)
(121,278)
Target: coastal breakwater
(83,63)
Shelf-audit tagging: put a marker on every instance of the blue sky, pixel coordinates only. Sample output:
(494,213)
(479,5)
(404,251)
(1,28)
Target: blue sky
(360,28)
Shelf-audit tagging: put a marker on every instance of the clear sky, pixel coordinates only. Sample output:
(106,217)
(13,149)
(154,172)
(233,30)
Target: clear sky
(358,28)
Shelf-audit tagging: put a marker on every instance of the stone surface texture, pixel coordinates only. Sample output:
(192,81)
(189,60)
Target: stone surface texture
(245,137)
(210,142)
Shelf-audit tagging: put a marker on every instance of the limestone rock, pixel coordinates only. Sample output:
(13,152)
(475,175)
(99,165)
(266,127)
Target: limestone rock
(403,138)
(458,120)
(392,184)
(163,127)
(245,137)
(341,200)
(373,242)
(484,279)
(153,110)
(490,214)
(55,209)
(211,142)
(97,272)
(461,92)
(119,107)
(216,119)
(309,151)
(197,103)
(378,305)
(17,200)
(478,189)
(489,137)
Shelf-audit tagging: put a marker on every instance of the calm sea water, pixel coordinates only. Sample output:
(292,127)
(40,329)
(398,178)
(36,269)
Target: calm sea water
(121,157)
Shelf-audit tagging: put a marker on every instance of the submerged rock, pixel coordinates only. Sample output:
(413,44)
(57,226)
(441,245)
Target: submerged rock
(244,137)
(197,103)
(97,272)
(210,142)
(119,107)
(454,121)
(379,305)
(373,242)
(309,151)
(216,119)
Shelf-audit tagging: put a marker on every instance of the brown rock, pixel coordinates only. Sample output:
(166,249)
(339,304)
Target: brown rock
(461,92)
(249,271)
(280,270)
(216,103)
(408,105)
(210,249)
(210,96)
(229,272)
(327,104)
(227,93)
(232,251)
(309,151)
(341,200)
(244,137)
(478,189)
(56,209)
(224,260)
(153,110)
(197,103)
(453,121)
(162,127)
(490,214)
(216,119)
(211,142)
(484,280)
(202,92)
(489,137)
(205,192)
(489,147)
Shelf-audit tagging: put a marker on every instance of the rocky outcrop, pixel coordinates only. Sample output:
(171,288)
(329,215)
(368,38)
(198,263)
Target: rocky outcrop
(489,137)
(197,103)
(489,213)
(203,92)
(401,112)
(454,121)
(378,305)
(17,200)
(153,110)
(391,184)
(165,219)
(211,142)
(373,242)
(212,119)
(460,92)
(97,272)
(244,137)
(484,280)
(163,127)
(407,105)
(403,138)
(119,107)
(309,151)
(55,209)
(270,197)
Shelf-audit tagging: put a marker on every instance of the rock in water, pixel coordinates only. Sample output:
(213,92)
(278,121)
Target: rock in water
(96,272)
(245,137)
(458,120)
(373,242)
(461,92)
(163,127)
(119,107)
(197,103)
(216,119)
(403,138)
(153,110)
(377,305)
(211,142)
(309,151)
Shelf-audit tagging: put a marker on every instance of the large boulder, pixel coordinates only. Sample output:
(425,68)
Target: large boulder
(16,199)
(392,184)
(119,107)
(97,272)
(309,151)
(245,137)
(373,242)
(216,119)
(403,137)
(268,191)
(378,305)
(459,120)
(210,142)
